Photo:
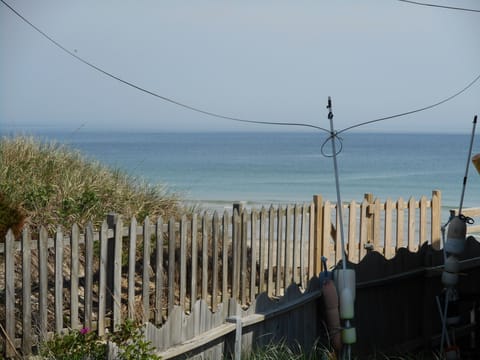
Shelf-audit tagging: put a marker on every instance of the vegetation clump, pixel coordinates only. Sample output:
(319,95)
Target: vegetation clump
(50,184)
(84,344)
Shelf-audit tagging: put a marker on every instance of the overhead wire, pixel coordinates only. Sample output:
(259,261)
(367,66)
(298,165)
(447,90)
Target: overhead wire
(414,111)
(152,93)
(212,114)
(439,6)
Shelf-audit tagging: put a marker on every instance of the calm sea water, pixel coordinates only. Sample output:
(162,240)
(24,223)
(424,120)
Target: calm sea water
(216,169)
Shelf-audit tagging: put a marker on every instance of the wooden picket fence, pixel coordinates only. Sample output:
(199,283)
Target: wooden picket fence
(97,277)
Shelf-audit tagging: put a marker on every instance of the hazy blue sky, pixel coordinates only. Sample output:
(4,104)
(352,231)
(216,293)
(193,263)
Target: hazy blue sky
(259,60)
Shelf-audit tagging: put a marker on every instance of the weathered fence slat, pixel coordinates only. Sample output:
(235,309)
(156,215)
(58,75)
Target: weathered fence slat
(147,250)
(171,265)
(262,249)
(43,282)
(215,267)
(159,271)
(236,246)
(75,261)
(423,221)
(243,257)
(183,261)
(400,222)
(352,234)
(304,248)
(318,235)
(279,251)
(338,250)
(363,241)
(313,245)
(377,217)
(288,248)
(102,286)
(225,246)
(296,246)
(132,249)
(59,280)
(194,276)
(253,254)
(26,289)
(10,293)
(388,229)
(436,218)
(411,224)
(205,256)
(117,274)
(89,269)
(271,238)
(325,237)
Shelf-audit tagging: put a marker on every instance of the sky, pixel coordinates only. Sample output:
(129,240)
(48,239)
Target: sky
(274,61)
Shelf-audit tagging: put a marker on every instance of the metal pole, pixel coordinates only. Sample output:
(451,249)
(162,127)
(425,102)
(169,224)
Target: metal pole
(346,352)
(333,134)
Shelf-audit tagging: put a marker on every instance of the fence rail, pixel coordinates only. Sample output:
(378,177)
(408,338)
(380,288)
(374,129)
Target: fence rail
(96,278)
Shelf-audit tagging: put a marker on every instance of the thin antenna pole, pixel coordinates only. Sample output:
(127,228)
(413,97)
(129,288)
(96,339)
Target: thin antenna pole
(468,164)
(333,134)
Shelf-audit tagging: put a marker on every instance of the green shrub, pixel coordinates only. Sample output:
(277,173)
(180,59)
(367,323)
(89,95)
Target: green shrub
(86,345)
(131,342)
(75,345)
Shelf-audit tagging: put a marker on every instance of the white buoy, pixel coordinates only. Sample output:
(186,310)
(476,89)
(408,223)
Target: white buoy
(345,278)
(346,304)
(349,336)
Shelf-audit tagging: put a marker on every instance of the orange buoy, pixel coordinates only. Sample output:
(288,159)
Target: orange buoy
(330,299)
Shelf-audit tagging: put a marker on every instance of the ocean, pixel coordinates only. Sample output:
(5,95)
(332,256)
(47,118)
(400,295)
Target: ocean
(215,169)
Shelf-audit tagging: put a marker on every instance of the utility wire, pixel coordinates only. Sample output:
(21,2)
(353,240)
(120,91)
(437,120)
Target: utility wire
(439,6)
(137,87)
(414,111)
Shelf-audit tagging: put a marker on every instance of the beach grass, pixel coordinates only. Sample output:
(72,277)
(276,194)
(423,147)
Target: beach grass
(47,183)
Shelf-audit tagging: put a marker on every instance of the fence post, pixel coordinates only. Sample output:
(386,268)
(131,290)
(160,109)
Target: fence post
(436,218)
(317,250)
(237,320)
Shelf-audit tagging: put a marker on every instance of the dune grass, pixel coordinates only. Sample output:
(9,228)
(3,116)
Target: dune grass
(52,184)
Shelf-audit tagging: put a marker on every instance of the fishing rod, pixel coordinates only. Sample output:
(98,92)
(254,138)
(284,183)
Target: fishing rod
(468,165)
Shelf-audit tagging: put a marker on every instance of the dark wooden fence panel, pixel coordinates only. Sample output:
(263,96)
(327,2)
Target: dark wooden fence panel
(396,307)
